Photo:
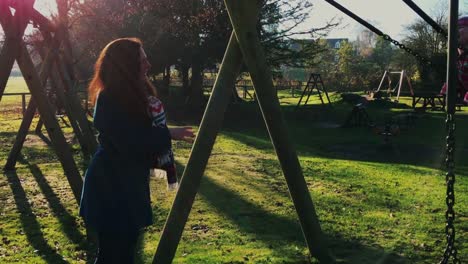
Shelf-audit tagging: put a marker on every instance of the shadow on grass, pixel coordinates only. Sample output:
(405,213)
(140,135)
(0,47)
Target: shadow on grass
(423,144)
(67,222)
(31,226)
(44,138)
(8,135)
(276,231)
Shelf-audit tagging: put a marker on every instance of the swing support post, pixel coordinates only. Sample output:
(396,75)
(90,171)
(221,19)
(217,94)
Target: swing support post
(450,250)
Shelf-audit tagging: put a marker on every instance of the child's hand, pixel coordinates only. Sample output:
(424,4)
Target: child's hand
(182,133)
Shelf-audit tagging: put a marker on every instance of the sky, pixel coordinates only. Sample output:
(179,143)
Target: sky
(390,16)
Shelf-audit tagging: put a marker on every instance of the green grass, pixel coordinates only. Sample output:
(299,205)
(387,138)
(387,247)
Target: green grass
(12,103)
(16,85)
(376,204)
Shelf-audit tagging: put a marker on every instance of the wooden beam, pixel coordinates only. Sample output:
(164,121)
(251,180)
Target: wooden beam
(202,147)
(43,22)
(5,17)
(72,116)
(39,125)
(62,9)
(14,27)
(59,142)
(30,112)
(243,19)
(74,111)
(21,136)
(78,111)
(36,17)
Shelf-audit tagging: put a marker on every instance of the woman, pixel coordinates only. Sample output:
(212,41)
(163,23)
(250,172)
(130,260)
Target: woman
(115,201)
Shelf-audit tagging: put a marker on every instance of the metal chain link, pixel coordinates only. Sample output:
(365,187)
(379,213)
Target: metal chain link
(402,46)
(450,250)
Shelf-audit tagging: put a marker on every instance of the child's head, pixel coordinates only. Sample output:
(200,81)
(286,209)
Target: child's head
(463,31)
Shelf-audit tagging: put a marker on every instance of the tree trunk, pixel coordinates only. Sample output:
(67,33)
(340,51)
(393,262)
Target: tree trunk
(235,96)
(196,83)
(185,79)
(163,86)
(167,75)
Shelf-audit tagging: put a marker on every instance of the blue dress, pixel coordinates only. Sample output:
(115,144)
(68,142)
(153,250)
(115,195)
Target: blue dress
(116,193)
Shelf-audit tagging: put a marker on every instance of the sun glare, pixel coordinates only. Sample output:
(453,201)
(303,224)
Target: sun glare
(46,7)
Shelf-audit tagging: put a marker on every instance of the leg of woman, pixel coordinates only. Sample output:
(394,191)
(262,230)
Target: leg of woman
(106,248)
(128,247)
(117,247)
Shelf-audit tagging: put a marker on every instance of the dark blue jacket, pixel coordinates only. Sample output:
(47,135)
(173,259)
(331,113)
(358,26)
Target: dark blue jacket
(116,192)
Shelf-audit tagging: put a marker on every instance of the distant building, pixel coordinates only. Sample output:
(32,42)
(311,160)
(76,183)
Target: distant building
(336,42)
(297,44)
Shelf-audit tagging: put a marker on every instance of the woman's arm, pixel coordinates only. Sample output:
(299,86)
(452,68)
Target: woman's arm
(182,133)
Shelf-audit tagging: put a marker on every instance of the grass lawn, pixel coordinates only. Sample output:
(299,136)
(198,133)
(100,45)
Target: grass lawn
(377,203)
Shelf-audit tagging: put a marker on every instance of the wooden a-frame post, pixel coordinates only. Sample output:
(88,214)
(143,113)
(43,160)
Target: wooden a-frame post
(30,111)
(244,45)
(74,111)
(14,28)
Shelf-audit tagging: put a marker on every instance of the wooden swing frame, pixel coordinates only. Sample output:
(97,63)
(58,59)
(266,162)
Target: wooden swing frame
(14,49)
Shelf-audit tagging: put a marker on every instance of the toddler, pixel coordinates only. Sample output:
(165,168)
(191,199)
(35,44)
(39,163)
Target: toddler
(163,161)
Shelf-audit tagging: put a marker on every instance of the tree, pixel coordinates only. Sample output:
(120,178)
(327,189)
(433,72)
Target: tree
(422,38)
(365,42)
(382,54)
(277,22)
(190,34)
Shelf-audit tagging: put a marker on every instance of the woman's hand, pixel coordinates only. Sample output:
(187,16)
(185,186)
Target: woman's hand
(182,133)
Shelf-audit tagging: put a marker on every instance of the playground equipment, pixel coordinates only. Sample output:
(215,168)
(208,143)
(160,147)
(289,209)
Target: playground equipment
(244,46)
(379,92)
(387,131)
(434,100)
(54,67)
(314,82)
(393,125)
(358,117)
(450,250)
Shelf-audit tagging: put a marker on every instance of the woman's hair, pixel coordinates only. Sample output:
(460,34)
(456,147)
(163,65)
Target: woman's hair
(117,73)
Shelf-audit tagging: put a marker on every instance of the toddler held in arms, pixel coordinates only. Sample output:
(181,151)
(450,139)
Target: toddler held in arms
(163,161)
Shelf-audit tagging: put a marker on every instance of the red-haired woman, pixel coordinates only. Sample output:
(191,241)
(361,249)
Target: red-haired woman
(115,201)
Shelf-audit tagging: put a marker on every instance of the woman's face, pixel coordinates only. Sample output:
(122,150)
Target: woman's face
(144,64)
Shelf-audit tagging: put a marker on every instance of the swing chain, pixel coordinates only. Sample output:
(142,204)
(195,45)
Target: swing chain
(450,250)
(402,46)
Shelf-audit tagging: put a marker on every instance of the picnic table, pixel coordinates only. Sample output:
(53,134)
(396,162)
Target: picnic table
(429,99)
